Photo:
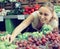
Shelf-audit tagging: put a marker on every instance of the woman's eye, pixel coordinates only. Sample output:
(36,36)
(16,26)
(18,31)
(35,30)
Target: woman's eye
(40,13)
(45,14)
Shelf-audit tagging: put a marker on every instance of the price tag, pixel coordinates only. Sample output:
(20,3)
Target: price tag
(1,18)
(21,17)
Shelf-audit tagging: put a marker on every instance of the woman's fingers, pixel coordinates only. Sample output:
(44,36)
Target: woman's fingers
(8,36)
(11,39)
(5,37)
(2,38)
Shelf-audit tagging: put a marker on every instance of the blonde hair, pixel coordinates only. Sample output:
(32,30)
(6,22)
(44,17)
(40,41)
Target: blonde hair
(51,8)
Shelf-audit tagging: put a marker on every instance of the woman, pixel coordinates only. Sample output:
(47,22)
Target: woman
(45,15)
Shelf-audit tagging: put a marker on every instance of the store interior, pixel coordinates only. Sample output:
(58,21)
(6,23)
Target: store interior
(13,12)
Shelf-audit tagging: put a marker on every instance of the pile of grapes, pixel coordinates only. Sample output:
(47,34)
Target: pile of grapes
(47,41)
(33,40)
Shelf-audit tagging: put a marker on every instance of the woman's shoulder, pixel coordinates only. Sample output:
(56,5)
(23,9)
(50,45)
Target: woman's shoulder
(35,13)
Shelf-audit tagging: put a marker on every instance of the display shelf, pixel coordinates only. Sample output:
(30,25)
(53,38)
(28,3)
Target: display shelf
(19,17)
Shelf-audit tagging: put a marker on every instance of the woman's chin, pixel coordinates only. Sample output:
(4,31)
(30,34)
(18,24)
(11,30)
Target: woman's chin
(43,22)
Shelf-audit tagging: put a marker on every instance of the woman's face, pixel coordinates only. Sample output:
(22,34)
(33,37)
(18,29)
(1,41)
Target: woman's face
(45,14)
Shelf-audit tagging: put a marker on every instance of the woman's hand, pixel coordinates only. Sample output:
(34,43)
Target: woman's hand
(8,37)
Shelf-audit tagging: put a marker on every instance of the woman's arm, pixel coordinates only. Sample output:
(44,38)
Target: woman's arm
(23,25)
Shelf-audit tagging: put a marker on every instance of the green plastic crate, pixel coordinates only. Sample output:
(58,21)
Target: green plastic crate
(9,25)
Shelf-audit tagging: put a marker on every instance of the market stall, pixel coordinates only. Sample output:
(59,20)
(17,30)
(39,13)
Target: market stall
(13,12)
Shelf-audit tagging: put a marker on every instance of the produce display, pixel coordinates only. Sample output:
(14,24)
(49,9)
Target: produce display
(45,39)
(29,10)
(35,41)
(46,29)
(23,10)
(3,12)
(16,7)
(17,11)
(7,0)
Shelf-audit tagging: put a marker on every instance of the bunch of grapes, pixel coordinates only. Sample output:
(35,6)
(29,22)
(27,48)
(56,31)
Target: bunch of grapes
(32,42)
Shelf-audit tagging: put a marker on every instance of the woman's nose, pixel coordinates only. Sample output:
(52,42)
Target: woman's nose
(42,16)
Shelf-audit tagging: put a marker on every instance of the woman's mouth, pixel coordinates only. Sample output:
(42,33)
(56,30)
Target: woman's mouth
(43,21)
